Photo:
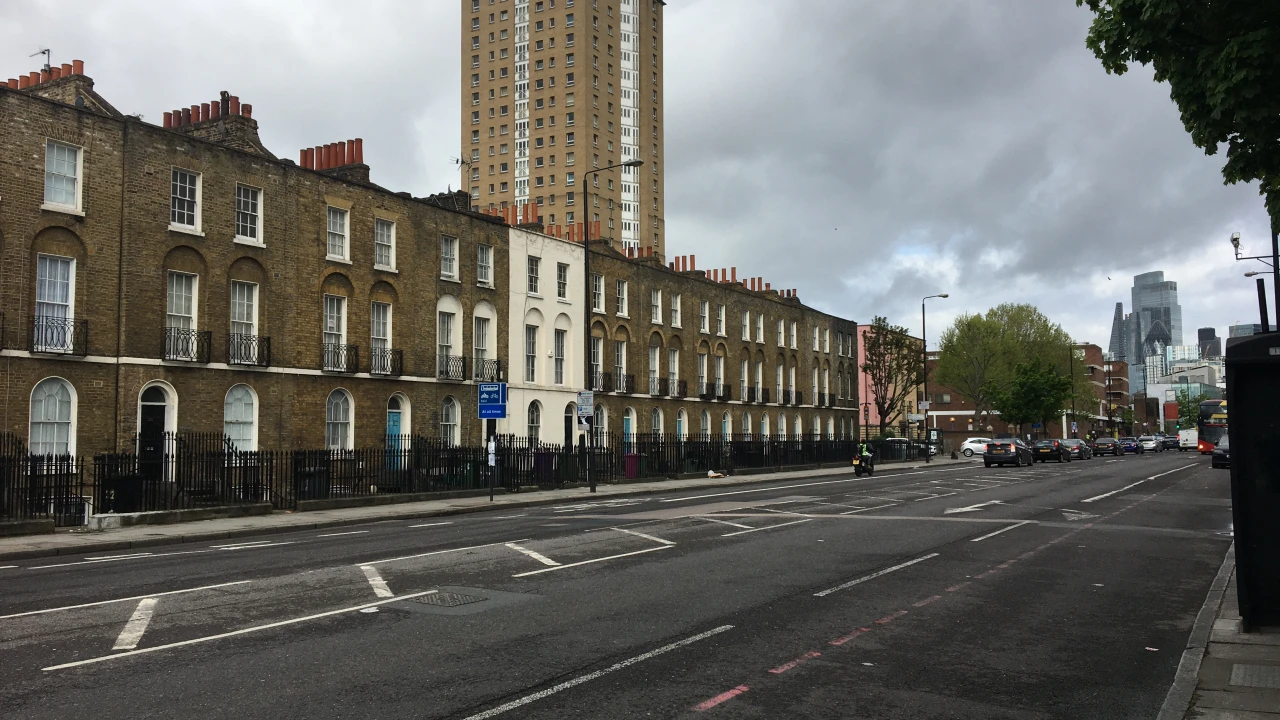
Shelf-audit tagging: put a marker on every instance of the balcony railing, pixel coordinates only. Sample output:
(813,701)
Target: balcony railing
(340,358)
(624,383)
(799,398)
(784,397)
(386,361)
(724,392)
(764,395)
(601,381)
(248,350)
(679,388)
(659,386)
(705,390)
(451,367)
(59,335)
(187,345)
(750,394)
(485,370)
(824,400)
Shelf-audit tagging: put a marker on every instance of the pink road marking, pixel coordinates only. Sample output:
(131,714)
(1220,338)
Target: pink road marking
(787,666)
(1026,555)
(722,697)
(988,573)
(926,601)
(850,636)
(1006,564)
(890,618)
(956,587)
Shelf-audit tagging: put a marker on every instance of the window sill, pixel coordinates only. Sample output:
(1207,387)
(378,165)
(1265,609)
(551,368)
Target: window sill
(534,295)
(336,259)
(385,268)
(624,316)
(565,301)
(185,229)
(675,326)
(453,280)
(486,285)
(64,209)
(241,240)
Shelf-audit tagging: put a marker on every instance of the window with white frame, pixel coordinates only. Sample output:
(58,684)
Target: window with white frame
(826,340)
(480,342)
(248,214)
(777,386)
(444,337)
(530,353)
(449,421)
(720,320)
(673,368)
(597,360)
(62,175)
(533,266)
(448,257)
(562,281)
(180,317)
(243,342)
(619,362)
(622,297)
(704,319)
(793,334)
(760,328)
(384,244)
(675,311)
(184,199)
(655,306)
(51,418)
(380,336)
(814,399)
(655,368)
(782,334)
(815,339)
(534,425)
(484,265)
(560,336)
(337,246)
(337,421)
(335,332)
(54,329)
(746,325)
(759,378)
(702,373)
(719,374)
(238,418)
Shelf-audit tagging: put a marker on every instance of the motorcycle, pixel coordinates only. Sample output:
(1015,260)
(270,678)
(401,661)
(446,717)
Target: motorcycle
(863,465)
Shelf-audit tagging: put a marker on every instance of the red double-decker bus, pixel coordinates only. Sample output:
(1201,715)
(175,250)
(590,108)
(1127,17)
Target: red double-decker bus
(1211,426)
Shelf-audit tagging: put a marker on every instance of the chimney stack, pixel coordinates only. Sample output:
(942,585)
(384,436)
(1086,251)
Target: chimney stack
(360,150)
(66,69)
(247,110)
(55,72)
(77,67)
(768,287)
(215,110)
(168,120)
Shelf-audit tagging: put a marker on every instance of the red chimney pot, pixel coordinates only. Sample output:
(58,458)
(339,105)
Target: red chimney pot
(34,78)
(342,154)
(66,69)
(351,152)
(168,120)
(186,116)
(13,83)
(77,67)
(234,104)
(24,82)
(246,110)
(215,110)
(204,111)
(55,72)
(360,151)
(44,76)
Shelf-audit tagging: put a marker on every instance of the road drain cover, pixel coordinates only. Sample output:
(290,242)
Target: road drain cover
(448,599)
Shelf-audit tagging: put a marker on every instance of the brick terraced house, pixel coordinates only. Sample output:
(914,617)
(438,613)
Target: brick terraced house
(182,277)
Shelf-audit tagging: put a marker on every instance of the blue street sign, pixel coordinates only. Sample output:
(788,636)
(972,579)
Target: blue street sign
(492,401)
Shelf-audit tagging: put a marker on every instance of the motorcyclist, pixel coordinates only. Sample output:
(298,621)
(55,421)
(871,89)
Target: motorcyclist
(864,452)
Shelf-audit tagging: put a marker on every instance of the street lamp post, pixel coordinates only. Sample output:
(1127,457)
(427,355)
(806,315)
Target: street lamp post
(589,381)
(924,345)
(1274,259)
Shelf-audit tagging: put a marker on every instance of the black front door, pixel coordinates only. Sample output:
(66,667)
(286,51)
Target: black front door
(151,441)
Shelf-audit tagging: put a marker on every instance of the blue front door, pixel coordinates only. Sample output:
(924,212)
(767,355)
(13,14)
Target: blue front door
(393,429)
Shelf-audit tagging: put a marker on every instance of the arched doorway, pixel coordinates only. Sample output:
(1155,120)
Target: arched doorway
(155,418)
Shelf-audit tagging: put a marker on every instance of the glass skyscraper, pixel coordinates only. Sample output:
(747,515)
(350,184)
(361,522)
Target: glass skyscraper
(1154,323)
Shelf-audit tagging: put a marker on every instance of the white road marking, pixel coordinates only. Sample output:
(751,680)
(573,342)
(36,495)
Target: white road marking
(430,524)
(116,558)
(494,712)
(770,527)
(7,567)
(934,497)
(781,487)
(257,546)
(352,532)
(1126,487)
(874,575)
(533,554)
(1072,515)
(233,633)
(997,532)
(379,585)
(137,625)
(779,512)
(508,517)
(437,552)
(971,508)
(722,522)
(125,599)
(643,535)
(1116,460)
(588,562)
(878,507)
(243,544)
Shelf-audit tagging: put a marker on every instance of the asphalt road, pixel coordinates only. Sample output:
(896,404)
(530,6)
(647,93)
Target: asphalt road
(1056,591)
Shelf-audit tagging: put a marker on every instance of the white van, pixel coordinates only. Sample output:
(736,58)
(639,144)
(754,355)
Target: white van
(1188,440)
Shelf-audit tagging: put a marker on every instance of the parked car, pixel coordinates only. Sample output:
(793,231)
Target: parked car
(1150,443)
(974,445)
(1007,451)
(1046,450)
(903,449)
(1080,449)
(1188,440)
(1221,457)
(1169,442)
(1107,446)
(1131,445)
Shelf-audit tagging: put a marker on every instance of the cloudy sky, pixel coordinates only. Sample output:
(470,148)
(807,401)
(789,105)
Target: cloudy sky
(865,152)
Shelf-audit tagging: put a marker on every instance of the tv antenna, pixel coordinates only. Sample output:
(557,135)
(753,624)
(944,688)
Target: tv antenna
(42,51)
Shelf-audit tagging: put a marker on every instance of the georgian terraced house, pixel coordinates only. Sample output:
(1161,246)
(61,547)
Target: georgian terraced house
(180,276)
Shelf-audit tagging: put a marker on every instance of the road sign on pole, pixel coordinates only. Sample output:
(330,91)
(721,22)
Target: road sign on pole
(586,403)
(492,399)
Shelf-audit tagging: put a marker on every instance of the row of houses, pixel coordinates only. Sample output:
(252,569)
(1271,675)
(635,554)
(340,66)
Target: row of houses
(180,276)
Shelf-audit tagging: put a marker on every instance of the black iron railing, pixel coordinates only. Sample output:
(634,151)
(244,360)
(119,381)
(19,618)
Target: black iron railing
(624,383)
(659,386)
(386,361)
(59,335)
(799,398)
(724,392)
(340,358)
(680,388)
(187,345)
(451,367)
(252,350)
(706,390)
(764,395)
(485,370)
(602,381)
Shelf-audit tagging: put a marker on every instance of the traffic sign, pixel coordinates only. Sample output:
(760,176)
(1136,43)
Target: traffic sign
(1073,426)
(492,403)
(586,403)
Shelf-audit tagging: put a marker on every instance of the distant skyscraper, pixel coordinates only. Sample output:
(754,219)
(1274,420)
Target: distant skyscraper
(1245,329)
(1155,322)
(1210,343)
(1118,348)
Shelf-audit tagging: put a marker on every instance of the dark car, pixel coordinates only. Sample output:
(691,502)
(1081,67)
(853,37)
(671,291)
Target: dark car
(1107,446)
(1169,442)
(1080,449)
(1131,445)
(1008,451)
(1046,450)
(1221,457)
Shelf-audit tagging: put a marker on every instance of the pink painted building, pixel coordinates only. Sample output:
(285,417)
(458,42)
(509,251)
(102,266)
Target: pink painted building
(870,415)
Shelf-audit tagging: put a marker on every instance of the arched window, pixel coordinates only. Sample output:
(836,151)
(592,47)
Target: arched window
(628,425)
(337,421)
(746,425)
(798,431)
(240,418)
(764,426)
(535,421)
(52,418)
(449,421)
(817,427)
(682,424)
(782,426)
(726,425)
(655,421)
(706,425)
(831,428)
(600,426)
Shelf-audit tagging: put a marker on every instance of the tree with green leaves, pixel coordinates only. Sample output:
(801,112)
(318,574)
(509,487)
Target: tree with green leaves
(1127,418)
(1189,408)
(1036,393)
(892,366)
(1220,60)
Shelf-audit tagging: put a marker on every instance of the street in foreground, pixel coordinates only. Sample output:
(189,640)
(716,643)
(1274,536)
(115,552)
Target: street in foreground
(1063,591)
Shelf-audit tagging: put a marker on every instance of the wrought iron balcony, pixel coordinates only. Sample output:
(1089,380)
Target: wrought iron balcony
(252,350)
(624,383)
(679,388)
(724,392)
(386,361)
(63,336)
(764,395)
(784,397)
(659,386)
(485,370)
(187,345)
(750,394)
(799,398)
(340,358)
(601,381)
(705,390)
(451,367)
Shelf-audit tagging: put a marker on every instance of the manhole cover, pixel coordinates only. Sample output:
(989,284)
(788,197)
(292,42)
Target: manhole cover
(1259,676)
(448,599)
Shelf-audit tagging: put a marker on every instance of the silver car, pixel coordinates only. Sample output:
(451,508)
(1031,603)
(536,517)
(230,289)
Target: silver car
(1150,443)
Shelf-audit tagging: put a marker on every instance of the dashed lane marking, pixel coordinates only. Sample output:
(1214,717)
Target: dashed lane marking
(133,630)
(350,532)
(770,527)
(643,535)
(722,697)
(874,575)
(380,587)
(124,599)
(533,554)
(1001,530)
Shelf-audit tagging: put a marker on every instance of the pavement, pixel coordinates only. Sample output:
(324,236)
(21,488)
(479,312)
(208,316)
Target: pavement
(948,591)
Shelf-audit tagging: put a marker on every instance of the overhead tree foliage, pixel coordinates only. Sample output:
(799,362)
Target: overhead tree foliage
(892,366)
(1189,408)
(1220,60)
